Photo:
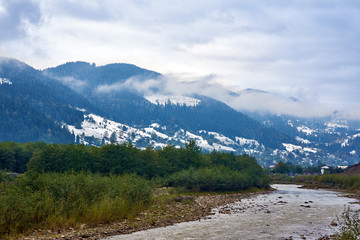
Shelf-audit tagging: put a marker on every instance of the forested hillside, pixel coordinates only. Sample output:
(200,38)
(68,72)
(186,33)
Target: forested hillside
(32,107)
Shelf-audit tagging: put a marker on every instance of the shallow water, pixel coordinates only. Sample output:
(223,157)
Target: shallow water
(277,215)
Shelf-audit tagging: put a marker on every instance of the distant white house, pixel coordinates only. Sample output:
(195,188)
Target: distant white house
(326,168)
(323,169)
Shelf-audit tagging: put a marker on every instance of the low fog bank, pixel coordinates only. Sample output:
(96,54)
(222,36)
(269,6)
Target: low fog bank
(249,100)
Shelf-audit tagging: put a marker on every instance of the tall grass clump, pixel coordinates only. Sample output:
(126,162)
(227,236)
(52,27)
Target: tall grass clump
(56,200)
(349,226)
(5,178)
(342,181)
(219,178)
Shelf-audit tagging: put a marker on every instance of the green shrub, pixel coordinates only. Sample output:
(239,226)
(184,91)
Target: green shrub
(349,226)
(56,200)
(342,181)
(218,178)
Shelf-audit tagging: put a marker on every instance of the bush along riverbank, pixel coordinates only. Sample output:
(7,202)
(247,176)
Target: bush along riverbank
(72,186)
(55,200)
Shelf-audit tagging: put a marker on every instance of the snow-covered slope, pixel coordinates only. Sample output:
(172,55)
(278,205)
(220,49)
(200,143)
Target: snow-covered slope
(97,130)
(103,129)
(319,141)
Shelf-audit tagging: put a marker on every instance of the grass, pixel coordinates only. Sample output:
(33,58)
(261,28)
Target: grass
(54,200)
(218,179)
(349,226)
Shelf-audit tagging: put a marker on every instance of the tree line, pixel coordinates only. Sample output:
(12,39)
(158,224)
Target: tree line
(291,169)
(123,159)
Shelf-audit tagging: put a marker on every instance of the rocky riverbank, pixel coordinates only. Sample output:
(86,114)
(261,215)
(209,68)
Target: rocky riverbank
(350,193)
(167,209)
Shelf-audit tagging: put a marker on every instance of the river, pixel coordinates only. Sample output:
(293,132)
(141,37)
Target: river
(287,212)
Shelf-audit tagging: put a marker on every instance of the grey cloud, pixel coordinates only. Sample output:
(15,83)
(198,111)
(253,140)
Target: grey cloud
(15,16)
(134,83)
(73,83)
(249,100)
(90,9)
(305,49)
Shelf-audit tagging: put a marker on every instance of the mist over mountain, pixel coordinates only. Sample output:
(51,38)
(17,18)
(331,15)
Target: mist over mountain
(84,103)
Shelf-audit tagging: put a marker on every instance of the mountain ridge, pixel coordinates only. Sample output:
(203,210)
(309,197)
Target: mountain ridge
(67,95)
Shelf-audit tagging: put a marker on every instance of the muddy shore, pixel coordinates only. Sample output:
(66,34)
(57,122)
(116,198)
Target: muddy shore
(181,208)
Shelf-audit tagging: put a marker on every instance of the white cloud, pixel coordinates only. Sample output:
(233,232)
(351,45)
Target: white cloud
(305,49)
(72,82)
(247,100)
(16,17)
(134,83)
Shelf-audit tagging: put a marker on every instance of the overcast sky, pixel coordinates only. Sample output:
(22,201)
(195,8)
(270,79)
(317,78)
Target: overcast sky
(307,49)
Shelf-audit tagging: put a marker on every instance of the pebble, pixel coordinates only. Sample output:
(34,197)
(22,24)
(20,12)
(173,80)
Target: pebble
(333,223)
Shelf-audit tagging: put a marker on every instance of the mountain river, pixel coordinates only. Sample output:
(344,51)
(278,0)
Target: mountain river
(289,212)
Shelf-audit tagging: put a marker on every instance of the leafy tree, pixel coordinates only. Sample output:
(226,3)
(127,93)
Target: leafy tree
(349,226)
(281,168)
(298,170)
(192,153)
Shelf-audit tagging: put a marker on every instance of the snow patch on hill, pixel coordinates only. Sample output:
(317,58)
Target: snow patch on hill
(221,138)
(219,147)
(302,140)
(155,125)
(152,131)
(355,136)
(173,100)
(306,130)
(5,81)
(290,123)
(336,124)
(345,143)
(245,141)
(291,147)
(200,141)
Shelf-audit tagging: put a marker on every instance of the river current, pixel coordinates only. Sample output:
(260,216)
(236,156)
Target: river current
(289,212)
